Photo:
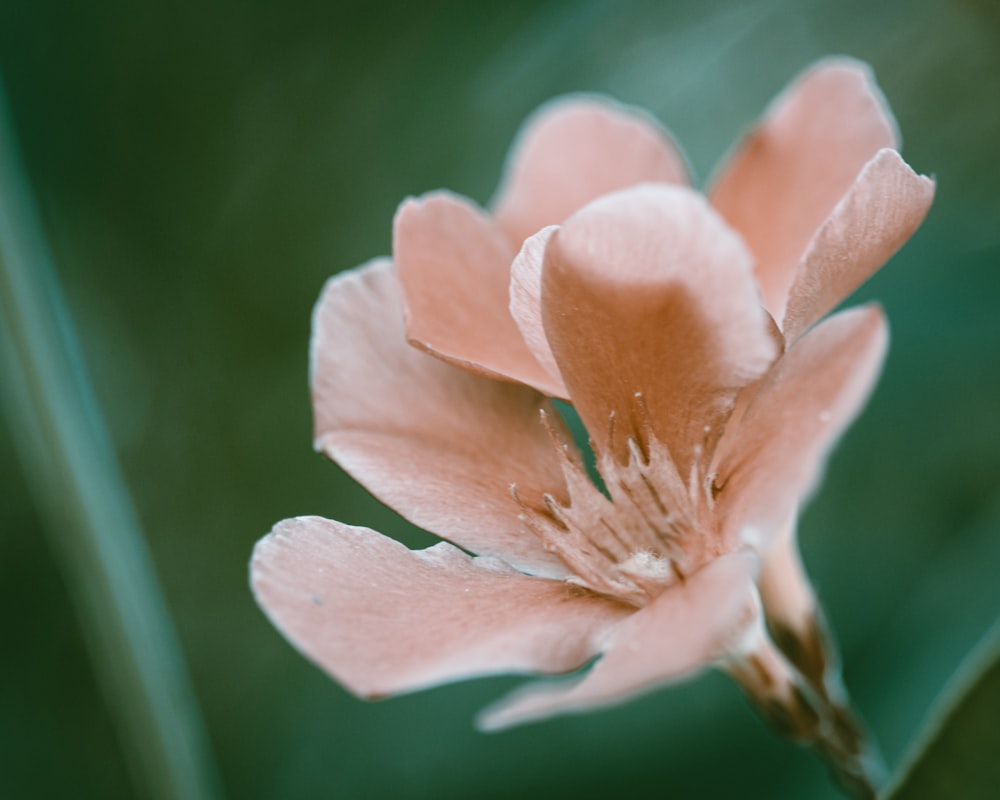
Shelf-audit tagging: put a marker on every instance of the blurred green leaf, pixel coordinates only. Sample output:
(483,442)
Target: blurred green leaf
(956,754)
(94,529)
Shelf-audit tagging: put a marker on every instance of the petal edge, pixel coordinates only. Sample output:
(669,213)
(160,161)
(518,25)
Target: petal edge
(685,629)
(383,619)
(791,169)
(575,149)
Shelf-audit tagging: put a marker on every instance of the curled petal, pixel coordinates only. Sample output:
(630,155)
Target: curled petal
(572,151)
(526,301)
(683,630)
(768,463)
(787,175)
(383,619)
(883,208)
(653,318)
(454,268)
(440,446)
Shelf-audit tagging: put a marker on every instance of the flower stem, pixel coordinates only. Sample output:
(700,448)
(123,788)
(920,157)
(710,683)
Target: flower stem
(89,515)
(792,706)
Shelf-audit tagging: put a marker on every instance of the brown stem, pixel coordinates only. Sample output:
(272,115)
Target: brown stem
(792,706)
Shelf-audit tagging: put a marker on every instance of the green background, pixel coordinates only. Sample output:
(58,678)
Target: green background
(202,168)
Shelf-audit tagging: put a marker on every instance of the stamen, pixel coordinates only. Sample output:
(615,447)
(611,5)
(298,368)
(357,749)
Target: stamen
(562,447)
(654,494)
(614,535)
(650,527)
(638,541)
(693,480)
(645,428)
(554,511)
(637,453)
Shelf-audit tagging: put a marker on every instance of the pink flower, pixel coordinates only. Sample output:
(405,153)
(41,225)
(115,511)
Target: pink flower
(600,278)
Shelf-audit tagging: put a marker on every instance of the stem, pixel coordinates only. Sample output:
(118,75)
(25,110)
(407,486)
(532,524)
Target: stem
(798,626)
(790,704)
(91,521)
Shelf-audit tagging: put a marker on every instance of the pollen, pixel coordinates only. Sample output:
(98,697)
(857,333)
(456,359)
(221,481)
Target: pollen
(646,564)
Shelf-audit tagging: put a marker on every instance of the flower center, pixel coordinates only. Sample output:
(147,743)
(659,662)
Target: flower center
(650,533)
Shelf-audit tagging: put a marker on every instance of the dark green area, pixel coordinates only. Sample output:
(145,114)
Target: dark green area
(203,167)
(959,760)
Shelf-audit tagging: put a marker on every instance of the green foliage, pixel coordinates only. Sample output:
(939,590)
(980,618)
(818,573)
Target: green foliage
(957,756)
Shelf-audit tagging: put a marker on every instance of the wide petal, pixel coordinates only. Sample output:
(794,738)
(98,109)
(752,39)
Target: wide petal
(654,320)
(883,208)
(767,465)
(787,175)
(575,149)
(383,619)
(454,268)
(685,629)
(440,446)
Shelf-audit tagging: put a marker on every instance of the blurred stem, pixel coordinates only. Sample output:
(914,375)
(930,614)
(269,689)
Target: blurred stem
(798,626)
(792,706)
(93,526)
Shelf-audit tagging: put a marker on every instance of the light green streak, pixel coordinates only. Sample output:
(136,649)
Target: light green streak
(955,752)
(92,523)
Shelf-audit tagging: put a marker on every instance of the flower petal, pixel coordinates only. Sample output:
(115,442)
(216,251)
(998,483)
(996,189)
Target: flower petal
(440,446)
(883,208)
(454,268)
(787,175)
(772,459)
(573,150)
(383,619)
(526,302)
(683,630)
(647,292)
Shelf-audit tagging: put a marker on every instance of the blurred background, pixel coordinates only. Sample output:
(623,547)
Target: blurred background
(202,168)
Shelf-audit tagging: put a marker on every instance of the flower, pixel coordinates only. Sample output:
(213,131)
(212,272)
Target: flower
(602,279)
